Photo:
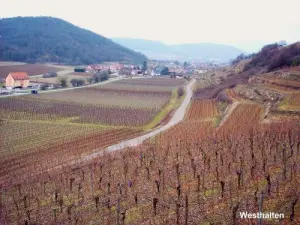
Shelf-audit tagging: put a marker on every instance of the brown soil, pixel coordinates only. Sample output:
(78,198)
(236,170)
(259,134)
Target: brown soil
(30,69)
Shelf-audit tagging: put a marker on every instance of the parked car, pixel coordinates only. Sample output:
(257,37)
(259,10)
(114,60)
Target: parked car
(17,87)
(34,92)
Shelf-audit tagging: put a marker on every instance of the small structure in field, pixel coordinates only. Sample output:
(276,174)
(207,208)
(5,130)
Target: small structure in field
(17,79)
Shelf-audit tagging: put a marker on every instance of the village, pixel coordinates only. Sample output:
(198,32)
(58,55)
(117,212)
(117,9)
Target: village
(16,83)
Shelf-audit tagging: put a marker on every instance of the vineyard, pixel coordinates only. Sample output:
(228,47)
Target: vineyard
(153,82)
(111,97)
(51,153)
(79,113)
(192,174)
(202,109)
(17,136)
(47,130)
(197,172)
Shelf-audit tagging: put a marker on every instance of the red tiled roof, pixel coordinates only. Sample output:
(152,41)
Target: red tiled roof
(19,76)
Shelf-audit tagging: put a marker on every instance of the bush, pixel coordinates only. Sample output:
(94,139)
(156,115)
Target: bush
(296,61)
(101,76)
(77,82)
(90,80)
(180,92)
(63,82)
(223,97)
(273,56)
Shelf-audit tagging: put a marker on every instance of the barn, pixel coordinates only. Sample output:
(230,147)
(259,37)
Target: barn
(17,79)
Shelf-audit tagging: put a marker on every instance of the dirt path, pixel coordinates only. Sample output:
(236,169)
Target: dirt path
(176,118)
(228,112)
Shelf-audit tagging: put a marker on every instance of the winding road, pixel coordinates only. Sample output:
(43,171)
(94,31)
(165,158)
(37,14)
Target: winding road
(176,118)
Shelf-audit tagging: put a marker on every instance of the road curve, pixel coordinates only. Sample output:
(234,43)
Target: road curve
(176,118)
(122,77)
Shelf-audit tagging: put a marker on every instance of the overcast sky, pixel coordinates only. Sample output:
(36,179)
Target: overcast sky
(246,24)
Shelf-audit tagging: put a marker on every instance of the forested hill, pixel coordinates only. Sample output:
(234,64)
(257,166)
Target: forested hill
(47,39)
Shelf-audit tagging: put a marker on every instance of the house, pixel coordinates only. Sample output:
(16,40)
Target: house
(157,71)
(17,79)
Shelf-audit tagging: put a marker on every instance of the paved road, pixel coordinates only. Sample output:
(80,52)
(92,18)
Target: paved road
(176,118)
(72,88)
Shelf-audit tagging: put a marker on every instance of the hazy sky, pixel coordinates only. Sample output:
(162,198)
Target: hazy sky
(243,23)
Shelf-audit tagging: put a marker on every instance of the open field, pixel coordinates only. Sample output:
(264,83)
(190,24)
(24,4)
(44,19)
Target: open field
(55,80)
(30,69)
(2,63)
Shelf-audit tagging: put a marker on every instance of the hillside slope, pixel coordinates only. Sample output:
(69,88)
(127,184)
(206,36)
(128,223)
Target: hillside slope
(198,51)
(47,39)
(272,57)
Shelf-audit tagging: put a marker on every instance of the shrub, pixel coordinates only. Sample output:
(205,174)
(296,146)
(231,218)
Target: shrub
(77,82)
(296,61)
(101,76)
(273,56)
(180,92)
(90,80)
(63,82)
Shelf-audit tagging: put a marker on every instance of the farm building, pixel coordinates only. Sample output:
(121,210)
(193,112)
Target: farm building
(17,79)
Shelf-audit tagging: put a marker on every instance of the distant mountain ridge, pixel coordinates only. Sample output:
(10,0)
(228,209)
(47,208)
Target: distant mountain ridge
(198,51)
(48,39)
